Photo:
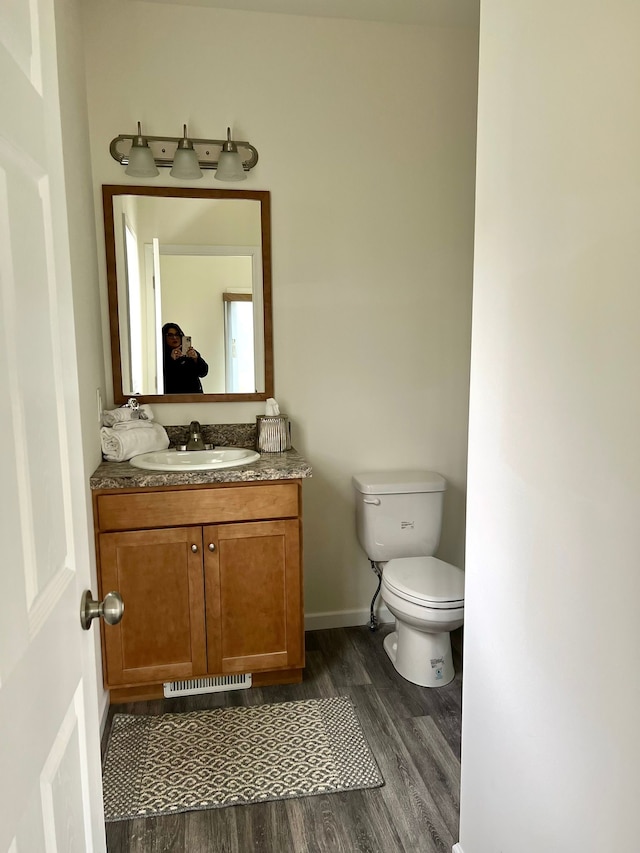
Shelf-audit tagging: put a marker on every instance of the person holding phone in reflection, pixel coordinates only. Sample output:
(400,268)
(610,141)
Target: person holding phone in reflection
(183,365)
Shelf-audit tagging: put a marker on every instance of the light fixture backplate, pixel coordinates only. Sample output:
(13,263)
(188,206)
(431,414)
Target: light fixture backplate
(163,149)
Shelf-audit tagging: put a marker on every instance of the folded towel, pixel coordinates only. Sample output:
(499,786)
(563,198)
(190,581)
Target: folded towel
(133,425)
(120,445)
(111,417)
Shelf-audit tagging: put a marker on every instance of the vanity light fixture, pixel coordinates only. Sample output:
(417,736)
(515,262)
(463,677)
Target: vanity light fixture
(142,155)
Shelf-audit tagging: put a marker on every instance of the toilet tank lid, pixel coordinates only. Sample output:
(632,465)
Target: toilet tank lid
(398,482)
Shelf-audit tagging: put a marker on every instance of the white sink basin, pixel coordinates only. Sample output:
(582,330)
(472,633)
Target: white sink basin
(194,460)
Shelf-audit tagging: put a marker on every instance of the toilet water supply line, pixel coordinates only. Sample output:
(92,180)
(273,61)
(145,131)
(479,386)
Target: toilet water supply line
(373,621)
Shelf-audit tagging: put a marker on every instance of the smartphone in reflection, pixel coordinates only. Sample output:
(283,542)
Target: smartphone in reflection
(186,344)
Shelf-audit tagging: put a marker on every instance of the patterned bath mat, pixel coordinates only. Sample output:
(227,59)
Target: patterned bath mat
(231,756)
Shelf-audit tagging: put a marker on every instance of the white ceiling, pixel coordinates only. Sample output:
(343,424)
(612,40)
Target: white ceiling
(439,13)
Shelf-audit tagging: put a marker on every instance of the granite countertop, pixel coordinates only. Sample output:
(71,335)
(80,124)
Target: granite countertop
(288,465)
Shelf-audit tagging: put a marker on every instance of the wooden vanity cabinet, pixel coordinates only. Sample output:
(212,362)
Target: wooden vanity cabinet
(219,595)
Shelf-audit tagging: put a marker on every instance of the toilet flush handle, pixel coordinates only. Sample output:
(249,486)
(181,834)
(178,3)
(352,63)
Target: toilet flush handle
(374,501)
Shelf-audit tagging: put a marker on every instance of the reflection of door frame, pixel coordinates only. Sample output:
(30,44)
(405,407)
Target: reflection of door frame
(255,253)
(134,321)
(123,295)
(154,374)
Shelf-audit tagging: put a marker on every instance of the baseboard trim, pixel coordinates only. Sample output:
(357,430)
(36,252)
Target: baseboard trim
(457,848)
(344,618)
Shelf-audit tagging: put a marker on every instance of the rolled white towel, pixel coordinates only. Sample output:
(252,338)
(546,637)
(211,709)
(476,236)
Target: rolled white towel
(120,445)
(111,417)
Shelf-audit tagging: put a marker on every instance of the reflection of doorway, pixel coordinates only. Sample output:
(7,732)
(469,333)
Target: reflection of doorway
(238,343)
(192,289)
(194,279)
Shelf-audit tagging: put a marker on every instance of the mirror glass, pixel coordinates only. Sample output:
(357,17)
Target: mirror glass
(189,282)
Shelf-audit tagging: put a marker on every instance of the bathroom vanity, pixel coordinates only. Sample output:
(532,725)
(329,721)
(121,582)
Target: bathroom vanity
(209,567)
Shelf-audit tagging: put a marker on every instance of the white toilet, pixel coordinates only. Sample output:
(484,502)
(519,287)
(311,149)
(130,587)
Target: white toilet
(398,518)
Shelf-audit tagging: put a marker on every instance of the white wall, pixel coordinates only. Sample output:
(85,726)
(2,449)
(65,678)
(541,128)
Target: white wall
(80,208)
(550,747)
(83,253)
(366,140)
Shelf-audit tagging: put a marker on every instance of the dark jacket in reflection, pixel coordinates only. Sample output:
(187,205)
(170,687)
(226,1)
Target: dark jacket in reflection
(182,375)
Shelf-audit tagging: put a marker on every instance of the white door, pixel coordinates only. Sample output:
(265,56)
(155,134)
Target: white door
(50,789)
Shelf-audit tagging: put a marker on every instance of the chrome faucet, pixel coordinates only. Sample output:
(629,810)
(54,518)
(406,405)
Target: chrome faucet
(195,442)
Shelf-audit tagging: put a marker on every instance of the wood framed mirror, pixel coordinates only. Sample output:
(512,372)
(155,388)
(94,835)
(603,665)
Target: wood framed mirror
(199,261)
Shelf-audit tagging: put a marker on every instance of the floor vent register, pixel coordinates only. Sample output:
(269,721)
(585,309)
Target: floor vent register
(216,684)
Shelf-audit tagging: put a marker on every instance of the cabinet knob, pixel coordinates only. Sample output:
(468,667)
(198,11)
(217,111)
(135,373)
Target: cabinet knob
(212,547)
(194,548)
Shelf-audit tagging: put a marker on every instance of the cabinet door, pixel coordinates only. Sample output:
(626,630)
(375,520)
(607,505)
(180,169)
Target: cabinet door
(162,635)
(253,596)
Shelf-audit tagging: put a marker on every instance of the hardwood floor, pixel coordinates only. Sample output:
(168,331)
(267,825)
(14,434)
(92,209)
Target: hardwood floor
(414,733)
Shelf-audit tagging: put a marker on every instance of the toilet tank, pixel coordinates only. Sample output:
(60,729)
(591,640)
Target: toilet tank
(399,513)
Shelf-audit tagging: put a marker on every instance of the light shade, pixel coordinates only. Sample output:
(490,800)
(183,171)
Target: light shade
(141,163)
(185,161)
(230,166)
(185,165)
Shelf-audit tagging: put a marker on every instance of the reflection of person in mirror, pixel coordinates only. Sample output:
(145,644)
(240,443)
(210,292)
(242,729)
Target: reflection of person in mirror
(182,370)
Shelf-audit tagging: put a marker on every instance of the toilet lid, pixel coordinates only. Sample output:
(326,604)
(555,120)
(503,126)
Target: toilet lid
(425,580)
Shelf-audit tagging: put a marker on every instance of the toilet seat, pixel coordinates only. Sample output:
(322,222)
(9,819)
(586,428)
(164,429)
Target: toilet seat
(425,581)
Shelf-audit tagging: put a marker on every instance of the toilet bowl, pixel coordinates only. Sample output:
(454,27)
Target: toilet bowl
(398,521)
(426,597)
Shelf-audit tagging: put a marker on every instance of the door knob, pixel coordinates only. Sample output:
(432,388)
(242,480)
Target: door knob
(111,609)
(212,547)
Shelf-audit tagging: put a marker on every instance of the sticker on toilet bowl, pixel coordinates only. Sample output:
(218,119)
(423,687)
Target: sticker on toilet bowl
(437,664)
